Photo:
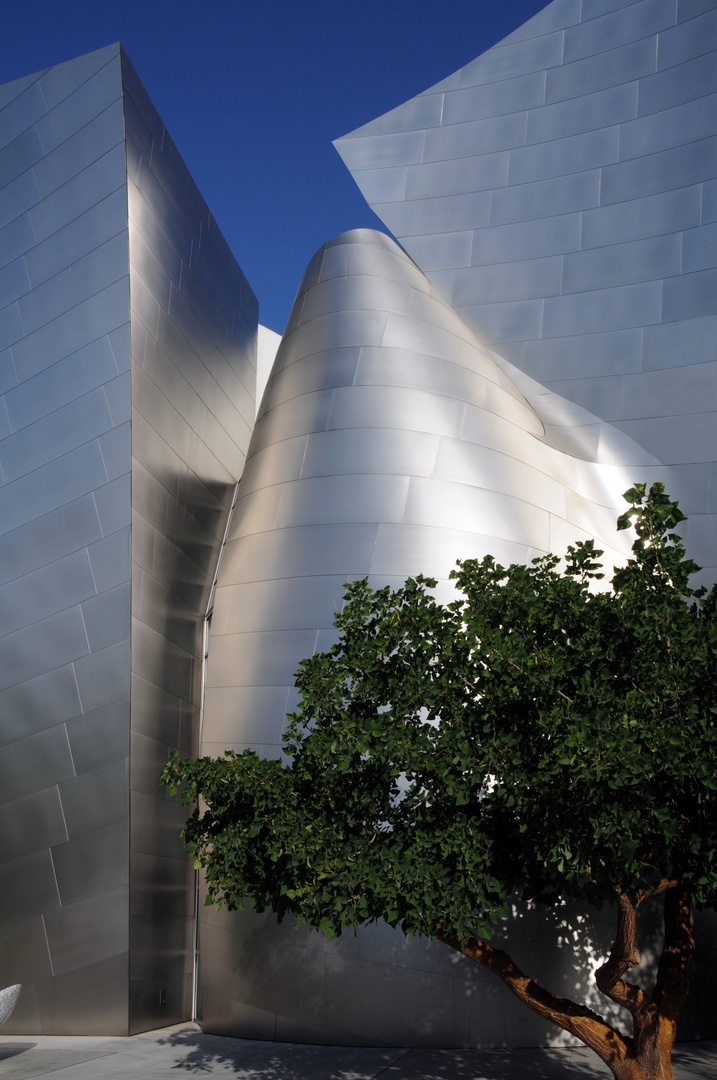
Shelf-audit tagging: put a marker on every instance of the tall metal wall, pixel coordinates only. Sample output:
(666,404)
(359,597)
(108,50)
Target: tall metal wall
(65,550)
(193,372)
(560,192)
(118,462)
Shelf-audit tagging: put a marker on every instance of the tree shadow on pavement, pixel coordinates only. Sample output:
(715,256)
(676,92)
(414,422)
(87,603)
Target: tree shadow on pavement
(246,1059)
(249,1059)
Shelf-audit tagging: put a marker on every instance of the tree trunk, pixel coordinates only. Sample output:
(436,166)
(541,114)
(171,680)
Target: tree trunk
(646,1056)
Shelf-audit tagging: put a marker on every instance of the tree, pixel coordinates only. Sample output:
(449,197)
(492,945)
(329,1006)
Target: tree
(430,739)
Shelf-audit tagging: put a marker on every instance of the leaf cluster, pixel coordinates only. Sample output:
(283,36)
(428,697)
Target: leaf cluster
(538,735)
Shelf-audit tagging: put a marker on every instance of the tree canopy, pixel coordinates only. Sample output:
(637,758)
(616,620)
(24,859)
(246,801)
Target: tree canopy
(431,739)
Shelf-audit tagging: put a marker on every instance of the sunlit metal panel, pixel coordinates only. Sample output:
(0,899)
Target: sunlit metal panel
(611,156)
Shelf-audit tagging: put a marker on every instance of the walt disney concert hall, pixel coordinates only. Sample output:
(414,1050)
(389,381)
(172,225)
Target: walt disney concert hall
(534,332)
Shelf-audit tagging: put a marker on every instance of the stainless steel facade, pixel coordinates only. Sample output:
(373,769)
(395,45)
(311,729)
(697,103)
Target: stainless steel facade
(556,193)
(127,367)
(388,442)
(560,192)
(549,340)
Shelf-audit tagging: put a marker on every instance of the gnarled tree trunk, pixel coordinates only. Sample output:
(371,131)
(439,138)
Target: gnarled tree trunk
(647,1055)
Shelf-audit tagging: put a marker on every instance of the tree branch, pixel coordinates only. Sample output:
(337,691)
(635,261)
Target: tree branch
(580,1021)
(623,956)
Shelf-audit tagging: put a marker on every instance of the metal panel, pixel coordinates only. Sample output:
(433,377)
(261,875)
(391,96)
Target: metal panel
(101,737)
(598,71)
(332,548)
(450,213)
(37,823)
(455,177)
(55,640)
(461,140)
(40,703)
(679,167)
(58,82)
(87,322)
(562,156)
(103,677)
(384,185)
(94,183)
(682,43)
(605,309)
(690,296)
(24,950)
(73,112)
(565,194)
(669,127)
(264,707)
(628,23)
(491,98)
(511,281)
(157,879)
(79,373)
(678,84)
(636,219)
(89,930)
(91,142)
(84,279)
(15,239)
(33,764)
(27,887)
(370,451)
(17,197)
(93,864)
(622,264)
(98,994)
(155,826)
(73,425)
(663,345)
(441,252)
(603,109)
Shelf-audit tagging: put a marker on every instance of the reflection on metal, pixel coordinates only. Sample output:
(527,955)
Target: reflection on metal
(127,373)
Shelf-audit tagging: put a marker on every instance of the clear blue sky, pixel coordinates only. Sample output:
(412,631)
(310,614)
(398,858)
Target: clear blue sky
(254,91)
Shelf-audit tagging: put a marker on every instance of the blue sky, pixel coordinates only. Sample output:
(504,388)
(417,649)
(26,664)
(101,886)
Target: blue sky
(254,91)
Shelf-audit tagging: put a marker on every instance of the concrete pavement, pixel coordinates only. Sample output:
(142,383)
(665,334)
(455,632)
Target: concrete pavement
(185,1050)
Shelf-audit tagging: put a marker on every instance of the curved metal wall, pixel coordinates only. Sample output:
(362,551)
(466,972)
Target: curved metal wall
(388,442)
(561,193)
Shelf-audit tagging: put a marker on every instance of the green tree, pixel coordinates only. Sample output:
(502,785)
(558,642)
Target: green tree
(431,739)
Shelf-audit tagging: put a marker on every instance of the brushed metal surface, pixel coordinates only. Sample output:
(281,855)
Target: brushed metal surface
(628,121)
(144,253)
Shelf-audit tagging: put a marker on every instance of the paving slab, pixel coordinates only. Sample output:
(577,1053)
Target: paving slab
(170,1053)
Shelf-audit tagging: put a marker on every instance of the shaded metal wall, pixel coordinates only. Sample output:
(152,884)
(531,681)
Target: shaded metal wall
(193,371)
(561,193)
(117,463)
